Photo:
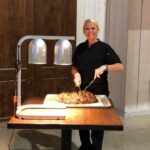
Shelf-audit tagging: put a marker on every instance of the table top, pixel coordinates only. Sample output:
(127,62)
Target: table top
(76,118)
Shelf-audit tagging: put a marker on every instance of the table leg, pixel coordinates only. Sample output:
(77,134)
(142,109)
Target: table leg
(66,139)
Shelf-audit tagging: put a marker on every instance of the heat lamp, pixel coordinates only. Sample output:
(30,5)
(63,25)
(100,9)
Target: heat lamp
(38,55)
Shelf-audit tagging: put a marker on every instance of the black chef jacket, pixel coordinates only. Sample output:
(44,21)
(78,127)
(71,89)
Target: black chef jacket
(87,59)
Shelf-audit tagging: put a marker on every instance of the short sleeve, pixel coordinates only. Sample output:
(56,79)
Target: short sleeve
(111,57)
(75,58)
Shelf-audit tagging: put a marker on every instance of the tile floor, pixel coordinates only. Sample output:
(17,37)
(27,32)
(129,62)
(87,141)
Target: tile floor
(136,136)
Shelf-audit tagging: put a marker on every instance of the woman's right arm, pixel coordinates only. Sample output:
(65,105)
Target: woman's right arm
(74,70)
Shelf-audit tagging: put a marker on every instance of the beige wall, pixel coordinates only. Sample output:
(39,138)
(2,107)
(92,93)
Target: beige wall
(128,31)
(138,61)
(117,37)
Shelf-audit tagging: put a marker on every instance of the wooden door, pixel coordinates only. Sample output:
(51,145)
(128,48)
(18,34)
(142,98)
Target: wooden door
(33,17)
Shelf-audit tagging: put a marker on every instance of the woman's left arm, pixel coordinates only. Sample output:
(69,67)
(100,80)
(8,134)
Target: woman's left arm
(110,68)
(115,67)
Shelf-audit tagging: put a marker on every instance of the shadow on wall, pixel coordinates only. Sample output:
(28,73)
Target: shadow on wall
(36,140)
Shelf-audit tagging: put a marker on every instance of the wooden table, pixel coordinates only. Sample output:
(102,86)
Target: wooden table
(76,118)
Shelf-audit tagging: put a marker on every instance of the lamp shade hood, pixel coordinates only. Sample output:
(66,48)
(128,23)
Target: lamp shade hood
(63,52)
(37,52)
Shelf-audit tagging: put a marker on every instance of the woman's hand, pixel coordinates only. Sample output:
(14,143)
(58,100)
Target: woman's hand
(111,68)
(99,71)
(77,79)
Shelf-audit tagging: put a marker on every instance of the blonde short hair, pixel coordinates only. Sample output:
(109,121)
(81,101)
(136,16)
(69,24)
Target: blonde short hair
(91,20)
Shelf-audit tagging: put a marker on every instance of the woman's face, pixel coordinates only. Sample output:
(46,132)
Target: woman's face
(90,30)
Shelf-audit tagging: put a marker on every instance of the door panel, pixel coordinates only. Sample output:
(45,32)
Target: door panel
(54,79)
(16,21)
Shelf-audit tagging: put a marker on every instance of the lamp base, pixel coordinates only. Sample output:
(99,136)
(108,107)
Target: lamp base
(38,112)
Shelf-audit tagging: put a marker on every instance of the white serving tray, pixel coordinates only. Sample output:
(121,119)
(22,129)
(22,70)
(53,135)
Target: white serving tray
(41,111)
(103,101)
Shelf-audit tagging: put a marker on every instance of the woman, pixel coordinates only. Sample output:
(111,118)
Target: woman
(93,59)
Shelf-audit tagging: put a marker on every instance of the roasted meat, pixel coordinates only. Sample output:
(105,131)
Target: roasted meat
(81,97)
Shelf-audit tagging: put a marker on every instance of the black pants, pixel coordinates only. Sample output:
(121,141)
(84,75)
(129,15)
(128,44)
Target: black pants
(96,137)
